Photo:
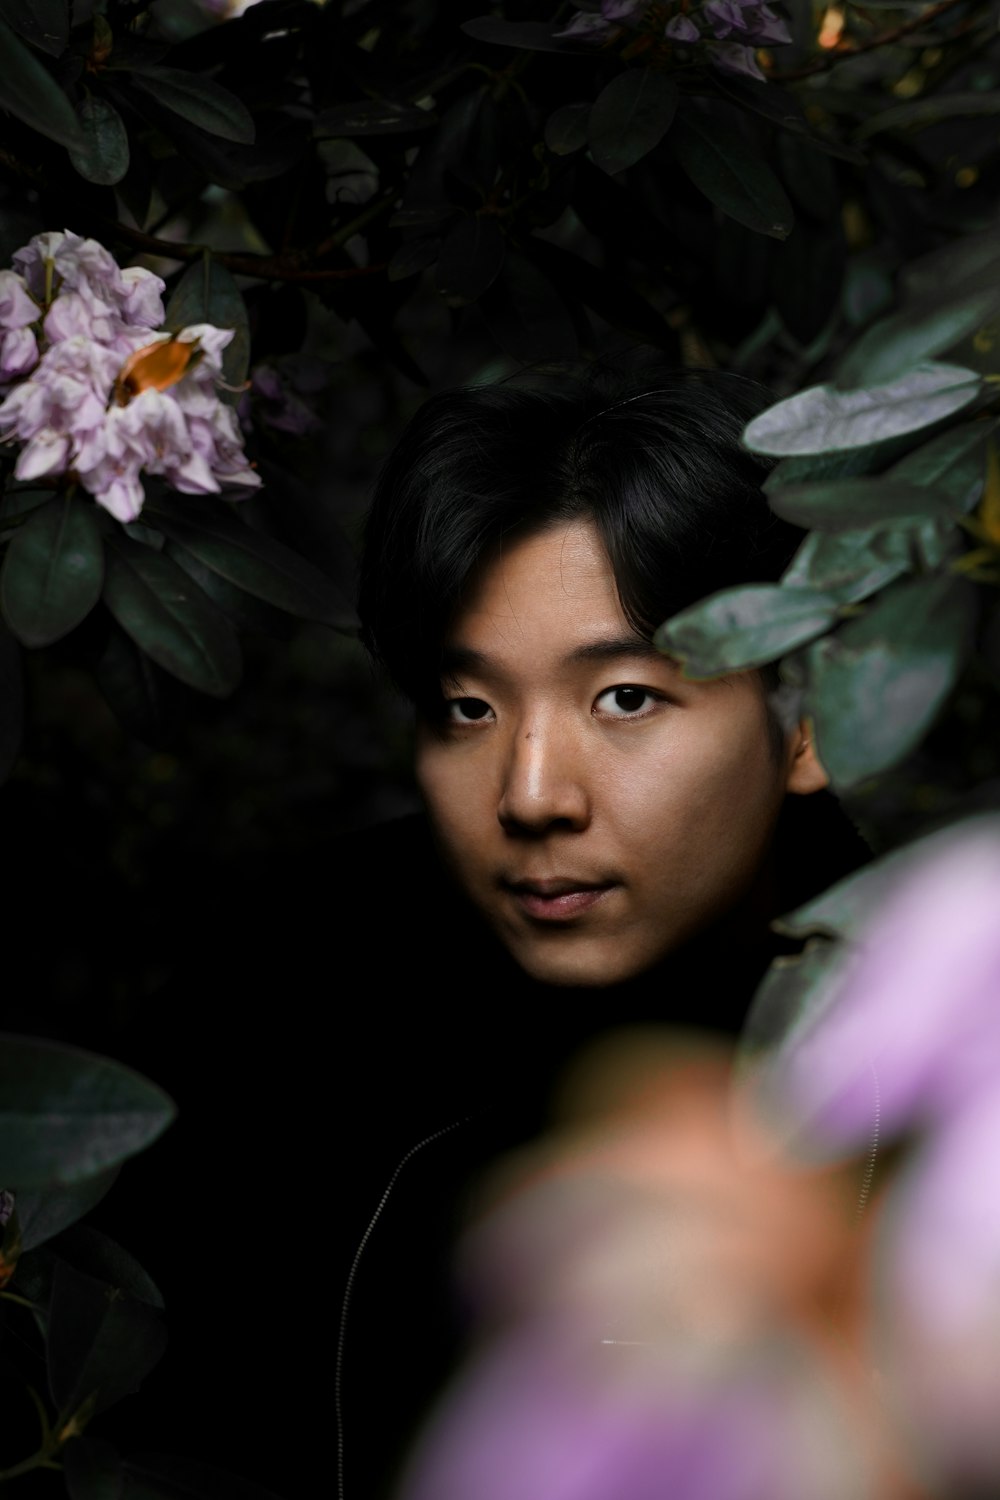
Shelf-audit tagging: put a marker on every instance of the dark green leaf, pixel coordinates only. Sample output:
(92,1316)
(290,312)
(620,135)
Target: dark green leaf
(895,344)
(19,499)
(744,627)
(566,129)
(168,616)
(245,611)
(612,297)
(28,90)
(876,686)
(471,259)
(630,116)
(139,693)
(782,109)
(207,293)
(53,571)
(371,117)
(966,264)
(43,23)
(920,113)
(101,1344)
(252,561)
(103,158)
(724,166)
(66,1114)
(851,565)
(822,417)
(47,1212)
(526,315)
(531,36)
(11,702)
(92,1470)
(413,256)
(96,1254)
(954,461)
(199,100)
(845,504)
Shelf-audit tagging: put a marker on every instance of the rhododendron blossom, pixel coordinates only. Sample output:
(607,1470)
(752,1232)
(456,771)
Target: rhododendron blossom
(71,321)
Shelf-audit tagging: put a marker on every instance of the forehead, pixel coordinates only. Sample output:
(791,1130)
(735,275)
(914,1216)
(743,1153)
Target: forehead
(554,589)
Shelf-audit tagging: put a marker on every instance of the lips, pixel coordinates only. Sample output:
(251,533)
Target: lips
(558,899)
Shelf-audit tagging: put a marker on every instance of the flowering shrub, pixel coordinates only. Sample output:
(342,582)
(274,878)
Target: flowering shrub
(98,395)
(727,32)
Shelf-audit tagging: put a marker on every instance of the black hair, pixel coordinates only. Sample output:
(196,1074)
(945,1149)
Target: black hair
(652,458)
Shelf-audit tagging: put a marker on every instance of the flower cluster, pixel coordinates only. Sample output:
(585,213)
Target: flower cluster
(729,30)
(98,390)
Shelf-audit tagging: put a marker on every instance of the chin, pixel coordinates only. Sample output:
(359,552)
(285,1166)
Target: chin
(576,966)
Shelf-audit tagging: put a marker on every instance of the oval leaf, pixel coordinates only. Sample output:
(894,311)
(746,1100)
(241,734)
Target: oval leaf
(844,504)
(53,571)
(875,687)
(630,116)
(371,117)
(724,166)
(823,418)
(207,293)
(168,616)
(199,100)
(566,129)
(43,1214)
(893,345)
(919,113)
(471,259)
(954,461)
(101,1343)
(28,90)
(103,157)
(42,23)
(850,565)
(531,36)
(66,1114)
(744,627)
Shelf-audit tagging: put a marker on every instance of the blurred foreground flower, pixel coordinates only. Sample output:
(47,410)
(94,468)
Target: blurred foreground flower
(96,392)
(730,30)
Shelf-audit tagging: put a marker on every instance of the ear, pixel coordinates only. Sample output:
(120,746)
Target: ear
(805,774)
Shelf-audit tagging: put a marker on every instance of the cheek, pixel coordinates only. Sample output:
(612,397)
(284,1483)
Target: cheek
(455,792)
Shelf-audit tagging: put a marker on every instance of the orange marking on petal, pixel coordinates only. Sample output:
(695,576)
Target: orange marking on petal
(156,367)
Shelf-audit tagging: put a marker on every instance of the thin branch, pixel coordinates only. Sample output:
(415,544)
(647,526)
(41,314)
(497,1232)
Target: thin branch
(264,267)
(884,39)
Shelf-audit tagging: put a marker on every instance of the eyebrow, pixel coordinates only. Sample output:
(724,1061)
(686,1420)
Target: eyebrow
(457,659)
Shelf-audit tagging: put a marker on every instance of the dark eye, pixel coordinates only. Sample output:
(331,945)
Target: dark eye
(467,710)
(625,702)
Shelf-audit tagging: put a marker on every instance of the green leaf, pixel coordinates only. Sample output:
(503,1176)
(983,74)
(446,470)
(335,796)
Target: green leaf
(954,462)
(371,117)
(101,1344)
(414,255)
(966,264)
(744,627)
(254,562)
(893,345)
(526,314)
(103,157)
(42,23)
(793,992)
(19,499)
(875,688)
(850,565)
(53,571)
(920,113)
(471,259)
(46,1212)
(28,90)
(566,129)
(845,504)
(532,36)
(92,1470)
(66,1114)
(11,702)
(140,694)
(724,166)
(630,116)
(822,417)
(207,293)
(198,100)
(168,616)
(96,1254)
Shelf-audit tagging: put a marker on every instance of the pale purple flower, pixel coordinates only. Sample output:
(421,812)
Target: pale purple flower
(588,24)
(681,29)
(18,354)
(746,21)
(142,301)
(17,308)
(731,57)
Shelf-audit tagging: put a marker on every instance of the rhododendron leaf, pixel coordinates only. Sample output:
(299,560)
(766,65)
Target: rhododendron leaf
(630,116)
(823,418)
(471,258)
(526,315)
(142,695)
(11,702)
(954,461)
(101,1344)
(168,616)
(160,1476)
(207,293)
(532,36)
(875,688)
(199,100)
(92,1469)
(744,627)
(566,129)
(895,344)
(371,117)
(851,565)
(66,1114)
(28,90)
(104,156)
(843,504)
(413,256)
(254,562)
(43,23)
(46,1212)
(53,571)
(724,166)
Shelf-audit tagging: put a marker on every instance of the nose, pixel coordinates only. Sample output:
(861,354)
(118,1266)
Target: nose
(545,782)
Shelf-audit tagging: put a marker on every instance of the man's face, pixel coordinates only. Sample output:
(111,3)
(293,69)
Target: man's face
(595,806)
